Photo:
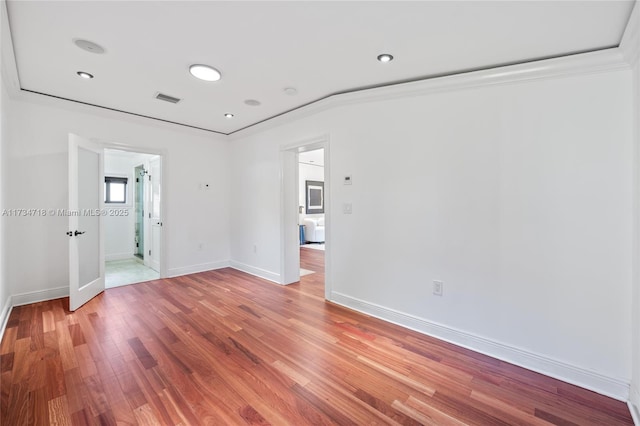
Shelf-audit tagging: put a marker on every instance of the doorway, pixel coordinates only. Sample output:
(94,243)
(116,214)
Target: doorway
(132,234)
(311,214)
(138,210)
(306,215)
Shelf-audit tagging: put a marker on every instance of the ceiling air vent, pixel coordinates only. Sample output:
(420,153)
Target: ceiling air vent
(167,98)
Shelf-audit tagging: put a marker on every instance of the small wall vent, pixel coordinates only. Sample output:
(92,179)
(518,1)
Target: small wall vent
(167,98)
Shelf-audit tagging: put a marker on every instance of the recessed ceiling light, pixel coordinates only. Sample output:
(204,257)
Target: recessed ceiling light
(89,46)
(85,75)
(385,57)
(204,72)
(291,91)
(228,115)
(252,102)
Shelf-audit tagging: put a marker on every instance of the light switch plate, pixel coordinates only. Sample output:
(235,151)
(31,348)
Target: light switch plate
(438,287)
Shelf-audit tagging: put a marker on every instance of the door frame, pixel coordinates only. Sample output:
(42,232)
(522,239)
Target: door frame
(289,217)
(144,222)
(149,221)
(162,153)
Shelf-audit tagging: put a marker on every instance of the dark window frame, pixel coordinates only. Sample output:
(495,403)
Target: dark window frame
(108,180)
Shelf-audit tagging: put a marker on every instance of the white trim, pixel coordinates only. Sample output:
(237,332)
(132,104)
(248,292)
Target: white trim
(630,44)
(322,141)
(40,296)
(635,413)
(310,144)
(194,269)
(586,63)
(103,112)
(289,241)
(609,386)
(118,256)
(4,315)
(258,272)
(328,221)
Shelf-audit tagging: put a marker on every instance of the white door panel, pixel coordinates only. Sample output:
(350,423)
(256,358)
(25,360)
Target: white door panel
(155,172)
(86,254)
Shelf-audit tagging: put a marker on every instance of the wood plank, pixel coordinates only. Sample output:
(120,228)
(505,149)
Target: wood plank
(67,353)
(142,353)
(59,411)
(224,347)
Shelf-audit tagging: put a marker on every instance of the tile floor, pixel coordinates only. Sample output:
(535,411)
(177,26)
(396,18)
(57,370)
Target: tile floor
(304,272)
(128,271)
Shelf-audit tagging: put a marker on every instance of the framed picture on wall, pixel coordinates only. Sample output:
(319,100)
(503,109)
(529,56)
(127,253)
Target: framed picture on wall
(314,191)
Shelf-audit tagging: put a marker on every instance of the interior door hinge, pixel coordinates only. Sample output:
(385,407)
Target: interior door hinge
(149,252)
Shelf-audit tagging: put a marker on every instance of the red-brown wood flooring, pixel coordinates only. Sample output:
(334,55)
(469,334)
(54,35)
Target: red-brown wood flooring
(226,348)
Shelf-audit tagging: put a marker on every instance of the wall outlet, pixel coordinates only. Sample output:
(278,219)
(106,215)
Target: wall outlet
(438,287)
(200,246)
(347,208)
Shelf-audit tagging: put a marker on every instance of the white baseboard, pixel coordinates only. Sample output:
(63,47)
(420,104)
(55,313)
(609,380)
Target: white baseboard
(634,406)
(252,270)
(635,413)
(613,387)
(4,315)
(118,256)
(193,269)
(40,296)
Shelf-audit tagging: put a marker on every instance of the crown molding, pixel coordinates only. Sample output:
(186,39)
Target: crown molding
(600,61)
(630,43)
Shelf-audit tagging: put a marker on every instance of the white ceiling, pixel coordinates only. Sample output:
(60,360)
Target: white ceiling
(319,48)
(312,157)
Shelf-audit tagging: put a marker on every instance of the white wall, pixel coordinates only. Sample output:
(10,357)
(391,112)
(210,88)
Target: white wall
(4,288)
(5,105)
(119,230)
(37,150)
(630,47)
(635,383)
(4,284)
(516,196)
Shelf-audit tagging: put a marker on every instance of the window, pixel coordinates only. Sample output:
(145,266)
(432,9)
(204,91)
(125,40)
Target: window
(115,189)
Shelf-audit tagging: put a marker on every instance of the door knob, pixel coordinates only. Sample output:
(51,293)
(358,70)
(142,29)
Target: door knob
(76,233)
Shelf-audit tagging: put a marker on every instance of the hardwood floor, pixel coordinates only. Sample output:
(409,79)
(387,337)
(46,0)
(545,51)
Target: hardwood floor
(225,348)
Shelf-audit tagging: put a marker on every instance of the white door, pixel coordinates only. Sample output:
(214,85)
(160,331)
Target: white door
(290,218)
(86,189)
(155,215)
